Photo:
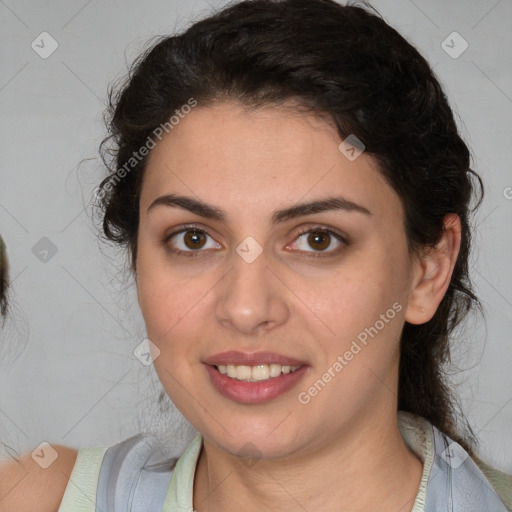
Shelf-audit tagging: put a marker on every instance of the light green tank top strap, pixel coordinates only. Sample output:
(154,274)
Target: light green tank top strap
(80,493)
(502,482)
(181,488)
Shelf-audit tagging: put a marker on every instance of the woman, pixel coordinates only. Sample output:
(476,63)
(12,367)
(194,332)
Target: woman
(290,183)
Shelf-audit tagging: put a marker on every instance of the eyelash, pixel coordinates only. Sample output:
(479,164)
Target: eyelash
(309,254)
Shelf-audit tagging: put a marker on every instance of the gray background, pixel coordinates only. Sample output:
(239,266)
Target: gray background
(68,374)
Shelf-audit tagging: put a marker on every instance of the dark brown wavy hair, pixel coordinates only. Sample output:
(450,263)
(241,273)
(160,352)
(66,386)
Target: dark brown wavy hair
(344,62)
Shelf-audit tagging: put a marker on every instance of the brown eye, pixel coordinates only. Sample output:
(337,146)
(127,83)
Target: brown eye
(319,240)
(194,239)
(190,242)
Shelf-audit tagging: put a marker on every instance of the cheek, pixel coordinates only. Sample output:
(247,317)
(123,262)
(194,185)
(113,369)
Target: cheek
(357,294)
(172,313)
(165,304)
(154,300)
(364,308)
(173,305)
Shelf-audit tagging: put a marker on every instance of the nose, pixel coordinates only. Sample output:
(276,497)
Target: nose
(252,298)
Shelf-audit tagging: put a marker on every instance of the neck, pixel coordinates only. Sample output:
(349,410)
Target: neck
(364,469)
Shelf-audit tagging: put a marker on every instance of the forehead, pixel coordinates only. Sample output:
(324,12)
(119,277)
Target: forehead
(254,159)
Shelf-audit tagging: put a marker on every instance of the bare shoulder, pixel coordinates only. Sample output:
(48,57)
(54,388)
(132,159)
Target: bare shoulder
(26,485)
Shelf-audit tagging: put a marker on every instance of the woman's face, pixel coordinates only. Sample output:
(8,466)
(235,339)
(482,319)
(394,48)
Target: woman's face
(266,283)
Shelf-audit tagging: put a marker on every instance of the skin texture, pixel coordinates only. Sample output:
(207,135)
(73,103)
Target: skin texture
(25,486)
(345,441)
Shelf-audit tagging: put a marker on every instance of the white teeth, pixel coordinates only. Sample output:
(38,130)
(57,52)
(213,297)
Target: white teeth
(255,373)
(275,370)
(243,372)
(260,372)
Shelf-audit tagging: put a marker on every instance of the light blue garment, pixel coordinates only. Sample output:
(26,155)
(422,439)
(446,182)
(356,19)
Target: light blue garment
(128,479)
(135,476)
(456,483)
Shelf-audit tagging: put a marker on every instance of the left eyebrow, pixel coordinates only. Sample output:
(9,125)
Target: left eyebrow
(209,211)
(321,205)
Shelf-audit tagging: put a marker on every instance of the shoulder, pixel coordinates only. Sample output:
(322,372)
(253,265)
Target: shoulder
(26,485)
(501,482)
(451,474)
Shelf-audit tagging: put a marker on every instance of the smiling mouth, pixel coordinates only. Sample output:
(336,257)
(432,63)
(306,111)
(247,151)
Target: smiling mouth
(257,373)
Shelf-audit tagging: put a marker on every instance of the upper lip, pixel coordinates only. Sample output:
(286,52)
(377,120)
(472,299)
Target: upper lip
(242,358)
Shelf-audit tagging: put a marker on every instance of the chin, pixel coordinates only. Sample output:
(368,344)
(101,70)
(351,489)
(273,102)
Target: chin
(265,442)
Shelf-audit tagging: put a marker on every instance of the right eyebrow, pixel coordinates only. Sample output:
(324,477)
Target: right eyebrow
(209,211)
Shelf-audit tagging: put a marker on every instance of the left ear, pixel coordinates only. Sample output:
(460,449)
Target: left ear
(433,272)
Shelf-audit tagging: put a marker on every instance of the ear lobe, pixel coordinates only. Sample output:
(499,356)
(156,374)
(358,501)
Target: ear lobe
(433,272)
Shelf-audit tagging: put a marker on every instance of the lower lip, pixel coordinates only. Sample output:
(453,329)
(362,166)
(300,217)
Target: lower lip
(254,392)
